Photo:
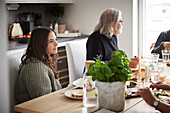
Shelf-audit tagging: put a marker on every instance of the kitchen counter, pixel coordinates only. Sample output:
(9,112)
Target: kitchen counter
(13,45)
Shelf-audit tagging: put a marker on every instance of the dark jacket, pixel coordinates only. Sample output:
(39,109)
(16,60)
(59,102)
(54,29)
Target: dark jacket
(98,44)
(163,37)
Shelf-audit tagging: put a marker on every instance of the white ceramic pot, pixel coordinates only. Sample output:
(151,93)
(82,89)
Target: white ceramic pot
(111,96)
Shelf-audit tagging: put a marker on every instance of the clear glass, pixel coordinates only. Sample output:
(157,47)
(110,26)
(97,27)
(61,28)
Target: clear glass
(161,67)
(155,75)
(154,58)
(89,92)
(165,55)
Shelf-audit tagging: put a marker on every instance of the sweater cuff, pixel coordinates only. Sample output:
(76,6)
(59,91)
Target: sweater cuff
(161,46)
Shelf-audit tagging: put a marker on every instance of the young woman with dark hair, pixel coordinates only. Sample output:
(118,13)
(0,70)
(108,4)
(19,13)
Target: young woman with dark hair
(37,71)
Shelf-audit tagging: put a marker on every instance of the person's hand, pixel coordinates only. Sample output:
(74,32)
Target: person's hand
(167,45)
(160,85)
(147,95)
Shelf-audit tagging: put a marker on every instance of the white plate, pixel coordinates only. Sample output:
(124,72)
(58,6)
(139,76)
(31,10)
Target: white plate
(78,82)
(69,92)
(92,93)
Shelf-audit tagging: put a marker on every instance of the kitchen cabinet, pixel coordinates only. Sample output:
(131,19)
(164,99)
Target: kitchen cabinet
(39,1)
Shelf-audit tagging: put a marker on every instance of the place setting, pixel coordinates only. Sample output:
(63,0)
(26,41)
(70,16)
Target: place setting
(75,92)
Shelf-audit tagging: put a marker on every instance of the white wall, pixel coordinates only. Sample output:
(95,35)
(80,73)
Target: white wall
(84,15)
(4,80)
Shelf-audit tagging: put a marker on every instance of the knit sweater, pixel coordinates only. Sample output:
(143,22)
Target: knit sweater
(35,79)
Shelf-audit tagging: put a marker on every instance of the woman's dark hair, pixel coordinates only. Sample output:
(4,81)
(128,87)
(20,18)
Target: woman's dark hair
(37,48)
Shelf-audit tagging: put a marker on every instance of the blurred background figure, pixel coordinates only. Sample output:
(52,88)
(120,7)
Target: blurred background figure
(163,42)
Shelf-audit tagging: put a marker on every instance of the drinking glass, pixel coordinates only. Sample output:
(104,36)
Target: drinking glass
(154,58)
(165,55)
(154,74)
(161,67)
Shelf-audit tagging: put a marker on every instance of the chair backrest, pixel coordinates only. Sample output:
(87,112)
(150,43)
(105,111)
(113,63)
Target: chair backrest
(14,60)
(76,57)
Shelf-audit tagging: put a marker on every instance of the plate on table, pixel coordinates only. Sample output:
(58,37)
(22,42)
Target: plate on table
(74,94)
(78,82)
(163,95)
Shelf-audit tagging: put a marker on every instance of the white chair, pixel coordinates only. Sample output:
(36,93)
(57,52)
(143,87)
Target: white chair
(76,57)
(14,60)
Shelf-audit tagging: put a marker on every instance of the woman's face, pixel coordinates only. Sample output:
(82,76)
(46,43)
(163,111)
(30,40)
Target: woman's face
(52,43)
(118,27)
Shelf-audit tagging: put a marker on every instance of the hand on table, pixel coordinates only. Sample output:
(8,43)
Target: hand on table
(147,95)
(160,85)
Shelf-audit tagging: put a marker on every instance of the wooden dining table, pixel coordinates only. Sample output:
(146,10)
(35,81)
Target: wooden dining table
(57,102)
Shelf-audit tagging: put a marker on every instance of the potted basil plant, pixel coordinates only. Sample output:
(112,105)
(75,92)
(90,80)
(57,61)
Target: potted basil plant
(110,78)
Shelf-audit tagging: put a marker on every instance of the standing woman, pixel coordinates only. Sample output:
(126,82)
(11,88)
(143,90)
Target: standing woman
(37,70)
(103,41)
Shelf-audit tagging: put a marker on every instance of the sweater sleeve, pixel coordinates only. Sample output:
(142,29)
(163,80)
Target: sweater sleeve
(38,82)
(94,48)
(159,44)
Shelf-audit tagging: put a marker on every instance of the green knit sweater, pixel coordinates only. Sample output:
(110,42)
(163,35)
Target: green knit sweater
(35,79)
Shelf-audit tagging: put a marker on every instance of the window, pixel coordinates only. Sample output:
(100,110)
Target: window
(156,19)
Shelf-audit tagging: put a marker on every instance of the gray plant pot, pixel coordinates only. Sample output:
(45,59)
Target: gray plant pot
(111,96)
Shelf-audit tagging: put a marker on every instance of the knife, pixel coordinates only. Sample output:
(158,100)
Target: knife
(134,90)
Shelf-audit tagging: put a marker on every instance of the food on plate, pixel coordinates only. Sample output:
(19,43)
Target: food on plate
(93,94)
(77,94)
(162,92)
(163,95)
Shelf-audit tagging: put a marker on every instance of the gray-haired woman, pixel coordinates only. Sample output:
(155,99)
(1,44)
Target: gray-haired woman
(103,41)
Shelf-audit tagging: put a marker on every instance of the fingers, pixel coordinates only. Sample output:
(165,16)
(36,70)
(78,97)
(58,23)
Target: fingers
(159,82)
(155,85)
(142,90)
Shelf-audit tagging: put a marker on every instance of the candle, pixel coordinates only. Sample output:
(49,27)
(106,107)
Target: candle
(146,73)
(139,72)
